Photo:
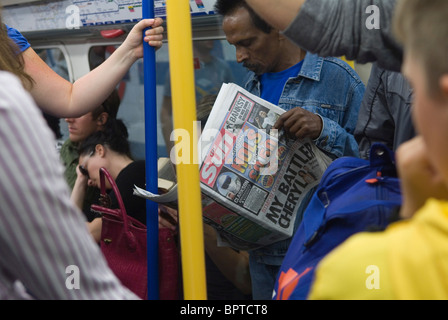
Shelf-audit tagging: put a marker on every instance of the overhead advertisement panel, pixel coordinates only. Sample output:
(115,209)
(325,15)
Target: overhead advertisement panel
(75,14)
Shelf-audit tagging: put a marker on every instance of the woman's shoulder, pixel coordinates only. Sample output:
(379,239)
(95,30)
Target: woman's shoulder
(18,38)
(133,172)
(138,165)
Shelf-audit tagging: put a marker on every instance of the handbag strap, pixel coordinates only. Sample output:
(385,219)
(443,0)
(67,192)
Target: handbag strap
(104,174)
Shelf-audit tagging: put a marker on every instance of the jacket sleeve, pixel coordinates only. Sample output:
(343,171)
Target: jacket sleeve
(385,114)
(337,138)
(359,30)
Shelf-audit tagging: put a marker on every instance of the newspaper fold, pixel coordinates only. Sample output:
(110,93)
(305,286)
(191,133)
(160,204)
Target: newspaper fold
(253,178)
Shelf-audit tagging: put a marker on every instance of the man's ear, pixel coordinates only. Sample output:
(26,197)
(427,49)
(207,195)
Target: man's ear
(102,119)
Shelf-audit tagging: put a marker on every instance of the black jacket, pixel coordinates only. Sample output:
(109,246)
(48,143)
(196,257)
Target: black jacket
(385,113)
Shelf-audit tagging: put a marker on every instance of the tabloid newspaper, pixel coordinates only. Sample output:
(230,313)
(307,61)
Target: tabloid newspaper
(252,177)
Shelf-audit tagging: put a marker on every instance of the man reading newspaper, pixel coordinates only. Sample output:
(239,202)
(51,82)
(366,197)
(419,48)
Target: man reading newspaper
(321,97)
(254,180)
(261,159)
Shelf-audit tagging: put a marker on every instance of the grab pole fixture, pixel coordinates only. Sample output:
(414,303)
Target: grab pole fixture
(149,67)
(184,114)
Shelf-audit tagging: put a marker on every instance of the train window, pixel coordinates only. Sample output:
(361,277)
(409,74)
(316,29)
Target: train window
(214,63)
(57,61)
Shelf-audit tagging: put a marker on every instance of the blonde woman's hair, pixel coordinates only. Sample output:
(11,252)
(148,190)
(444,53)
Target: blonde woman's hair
(11,58)
(422,27)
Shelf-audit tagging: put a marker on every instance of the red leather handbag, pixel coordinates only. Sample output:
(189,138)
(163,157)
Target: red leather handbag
(168,265)
(123,243)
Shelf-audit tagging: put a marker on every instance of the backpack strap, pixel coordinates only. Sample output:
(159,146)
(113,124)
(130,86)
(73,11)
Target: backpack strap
(381,156)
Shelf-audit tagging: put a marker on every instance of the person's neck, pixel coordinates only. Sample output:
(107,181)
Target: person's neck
(294,56)
(291,56)
(118,164)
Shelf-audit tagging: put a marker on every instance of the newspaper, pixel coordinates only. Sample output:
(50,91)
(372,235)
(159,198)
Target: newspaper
(252,177)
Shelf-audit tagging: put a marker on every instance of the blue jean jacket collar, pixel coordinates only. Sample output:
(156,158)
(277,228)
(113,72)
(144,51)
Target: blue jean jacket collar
(312,66)
(311,69)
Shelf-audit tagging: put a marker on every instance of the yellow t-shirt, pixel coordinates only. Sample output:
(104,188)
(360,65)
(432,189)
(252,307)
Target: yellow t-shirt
(409,260)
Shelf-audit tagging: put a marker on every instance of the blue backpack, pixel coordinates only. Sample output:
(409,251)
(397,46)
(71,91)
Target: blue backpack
(353,195)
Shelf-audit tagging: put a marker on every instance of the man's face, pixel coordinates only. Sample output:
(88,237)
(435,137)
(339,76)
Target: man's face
(430,115)
(80,128)
(256,50)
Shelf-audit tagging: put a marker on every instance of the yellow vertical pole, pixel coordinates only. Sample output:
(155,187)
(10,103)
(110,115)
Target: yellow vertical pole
(184,114)
(351,63)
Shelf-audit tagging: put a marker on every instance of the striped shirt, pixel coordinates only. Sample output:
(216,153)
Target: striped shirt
(45,246)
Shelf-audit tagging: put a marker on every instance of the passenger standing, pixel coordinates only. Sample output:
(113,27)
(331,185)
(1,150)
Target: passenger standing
(45,248)
(321,95)
(409,260)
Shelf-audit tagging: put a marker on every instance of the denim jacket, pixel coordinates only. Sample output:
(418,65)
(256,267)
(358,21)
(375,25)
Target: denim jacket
(330,88)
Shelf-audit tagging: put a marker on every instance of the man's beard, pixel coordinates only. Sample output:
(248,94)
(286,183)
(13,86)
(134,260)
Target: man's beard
(255,68)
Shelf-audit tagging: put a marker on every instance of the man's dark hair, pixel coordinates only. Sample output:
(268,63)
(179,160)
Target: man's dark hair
(225,7)
(110,105)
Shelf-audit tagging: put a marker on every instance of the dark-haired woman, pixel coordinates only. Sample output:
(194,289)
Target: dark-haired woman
(110,149)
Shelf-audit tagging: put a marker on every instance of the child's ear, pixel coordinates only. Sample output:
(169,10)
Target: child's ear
(444,86)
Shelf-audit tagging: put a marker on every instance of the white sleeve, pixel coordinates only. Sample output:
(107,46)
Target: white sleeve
(43,236)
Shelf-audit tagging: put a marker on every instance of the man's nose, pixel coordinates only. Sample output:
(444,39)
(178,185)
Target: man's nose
(241,55)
